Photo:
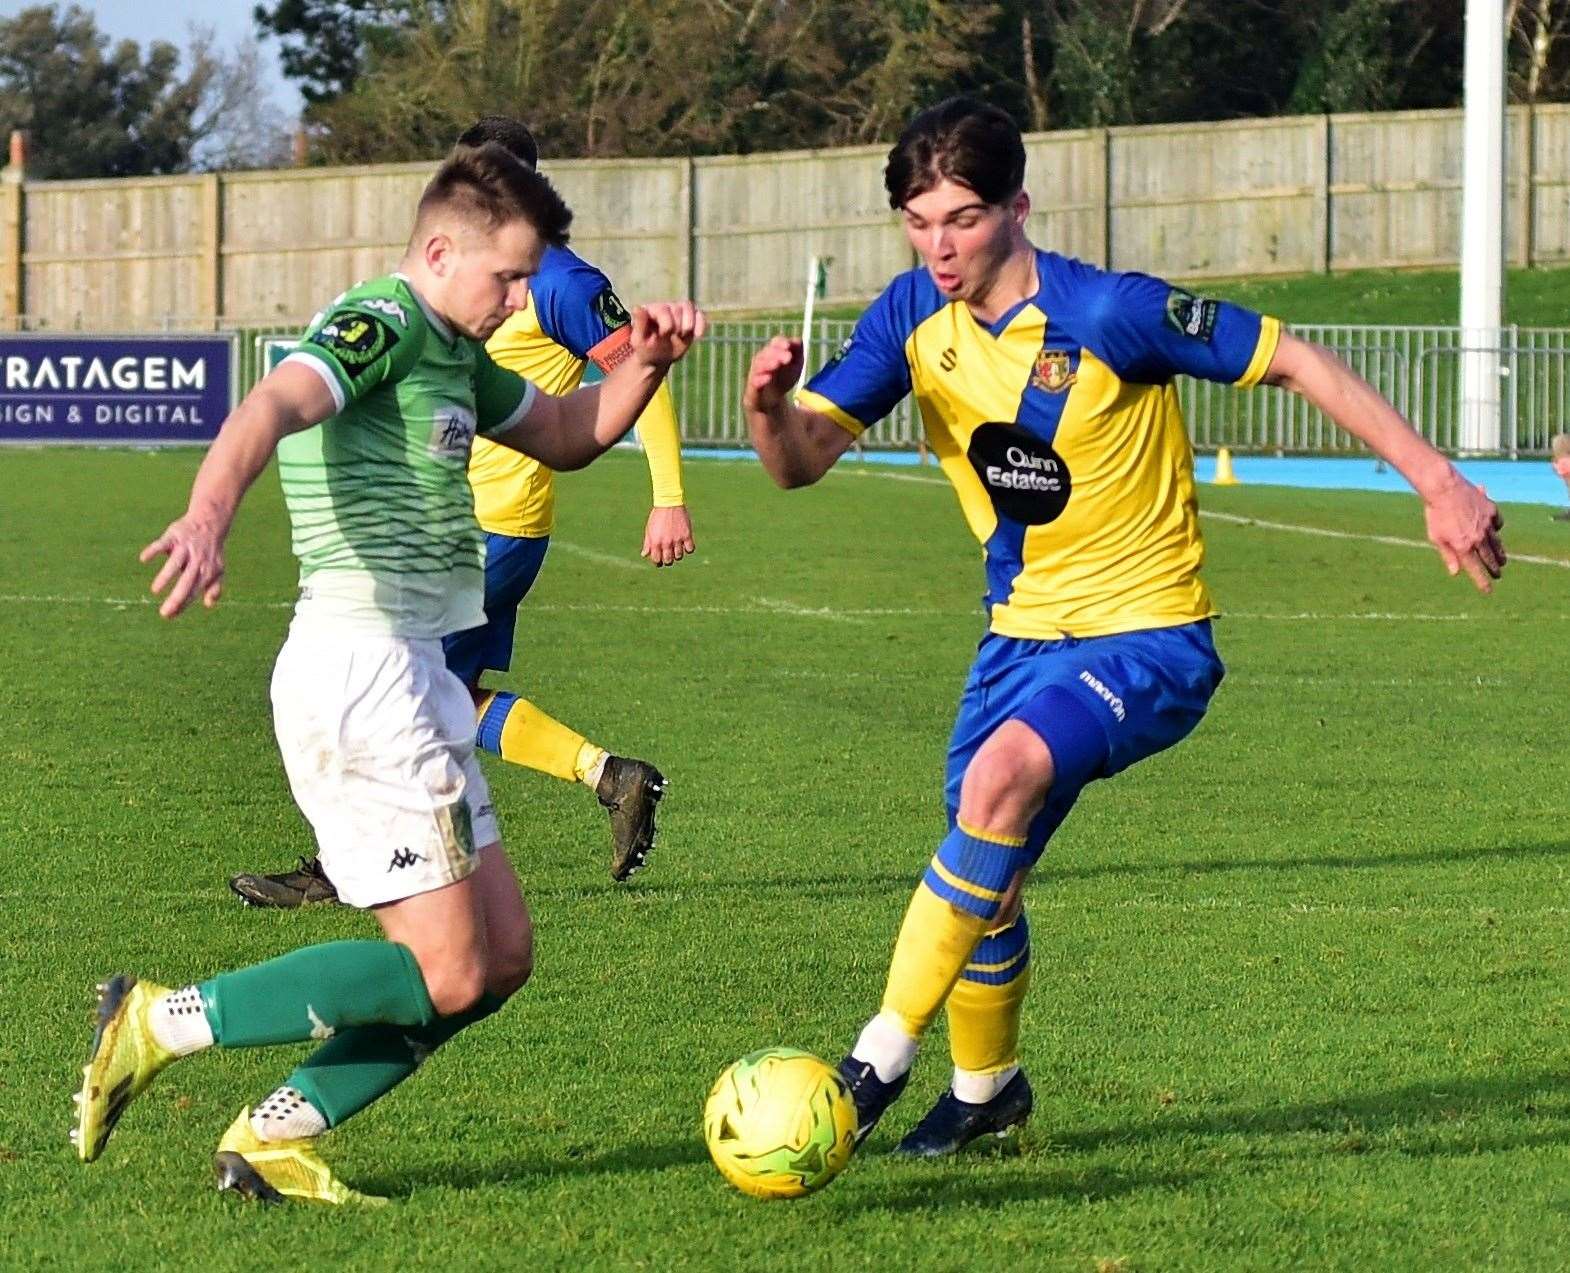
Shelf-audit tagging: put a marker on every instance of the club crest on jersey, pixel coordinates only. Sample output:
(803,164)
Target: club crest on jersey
(452,432)
(1052,371)
(1026,480)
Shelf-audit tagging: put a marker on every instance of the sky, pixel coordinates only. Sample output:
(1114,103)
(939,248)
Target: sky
(146,20)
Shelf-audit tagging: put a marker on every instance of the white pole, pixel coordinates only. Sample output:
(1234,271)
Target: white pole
(1483,225)
(806,318)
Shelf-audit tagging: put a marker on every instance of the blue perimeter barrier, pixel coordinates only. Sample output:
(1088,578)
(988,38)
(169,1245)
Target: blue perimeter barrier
(1507,481)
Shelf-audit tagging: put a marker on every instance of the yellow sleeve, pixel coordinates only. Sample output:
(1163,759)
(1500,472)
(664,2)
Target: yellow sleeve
(662,448)
(810,401)
(1264,352)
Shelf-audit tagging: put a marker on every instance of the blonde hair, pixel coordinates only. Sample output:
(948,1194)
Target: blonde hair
(1560,445)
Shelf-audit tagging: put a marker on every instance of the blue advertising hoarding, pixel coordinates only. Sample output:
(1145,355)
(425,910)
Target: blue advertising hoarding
(121,389)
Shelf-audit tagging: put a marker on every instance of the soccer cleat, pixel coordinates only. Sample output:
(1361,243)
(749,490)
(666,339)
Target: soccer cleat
(951,1124)
(305,885)
(872,1095)
(277,1170)
(125,1059)
(1563,515)
(630,789)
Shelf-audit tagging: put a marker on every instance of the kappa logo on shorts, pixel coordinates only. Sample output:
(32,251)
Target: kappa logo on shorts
(404,857)
(1025,478)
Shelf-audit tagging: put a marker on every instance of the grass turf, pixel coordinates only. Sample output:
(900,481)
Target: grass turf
(1300,984)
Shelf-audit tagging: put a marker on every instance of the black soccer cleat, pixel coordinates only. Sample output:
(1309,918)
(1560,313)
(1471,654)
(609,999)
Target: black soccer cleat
(951,1124)
(630,789)
(872,1095)
(306,885)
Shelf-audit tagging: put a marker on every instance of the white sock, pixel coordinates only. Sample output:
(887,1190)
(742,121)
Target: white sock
(978,1089)
(287,1115)
(591,779)
(179,1023)
(885,1044)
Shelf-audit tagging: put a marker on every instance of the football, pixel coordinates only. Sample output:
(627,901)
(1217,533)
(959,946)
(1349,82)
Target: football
(780,1123)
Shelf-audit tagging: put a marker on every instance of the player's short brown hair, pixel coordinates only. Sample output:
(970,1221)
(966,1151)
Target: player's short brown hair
(961,140)
(488,187)
(512,135)
(1559,445)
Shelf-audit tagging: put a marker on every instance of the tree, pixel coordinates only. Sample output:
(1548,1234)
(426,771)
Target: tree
(1107,63)
(1539,50)
(237,124)
(324,43)
(93,110)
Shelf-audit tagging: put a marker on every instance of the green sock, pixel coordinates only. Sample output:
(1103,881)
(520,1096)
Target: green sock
(312,992)
(347,1073)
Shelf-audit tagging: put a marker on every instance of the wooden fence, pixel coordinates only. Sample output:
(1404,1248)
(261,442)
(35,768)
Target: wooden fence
(1275,196)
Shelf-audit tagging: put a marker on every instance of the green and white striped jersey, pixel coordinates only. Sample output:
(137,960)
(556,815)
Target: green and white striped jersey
(380,509)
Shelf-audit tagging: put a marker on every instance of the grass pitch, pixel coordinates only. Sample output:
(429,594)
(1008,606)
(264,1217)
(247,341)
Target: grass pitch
(1300,984)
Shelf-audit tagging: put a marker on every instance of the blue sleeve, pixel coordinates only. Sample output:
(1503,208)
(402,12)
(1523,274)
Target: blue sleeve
(868,376)
(1148,331)
(576,304)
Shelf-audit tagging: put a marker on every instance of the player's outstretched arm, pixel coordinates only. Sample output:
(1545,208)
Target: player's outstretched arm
(570,431)
(796,446)
(288,399)
(1463,523)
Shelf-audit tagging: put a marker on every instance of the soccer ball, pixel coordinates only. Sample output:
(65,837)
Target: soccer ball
(780,1123)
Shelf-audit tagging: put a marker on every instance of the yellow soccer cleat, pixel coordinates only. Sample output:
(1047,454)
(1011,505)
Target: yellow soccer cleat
(125,1060)
(277,1170)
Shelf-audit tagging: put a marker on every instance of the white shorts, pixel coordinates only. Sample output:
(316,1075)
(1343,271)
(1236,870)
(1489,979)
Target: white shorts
(378,741)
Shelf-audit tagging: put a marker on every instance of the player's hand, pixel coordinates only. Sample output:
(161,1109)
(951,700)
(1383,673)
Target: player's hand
(663,332)
(1464,525)
(195,564)
(667,537)
(774,372)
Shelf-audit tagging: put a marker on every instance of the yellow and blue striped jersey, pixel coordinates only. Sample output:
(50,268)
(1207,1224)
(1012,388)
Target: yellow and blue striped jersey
(1059,427)
(572,318)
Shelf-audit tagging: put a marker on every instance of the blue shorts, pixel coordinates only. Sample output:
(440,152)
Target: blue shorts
(512,564)
(1099,703)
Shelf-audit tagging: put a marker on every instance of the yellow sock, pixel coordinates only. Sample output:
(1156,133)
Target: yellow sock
(934,945)
(986,1002)
(516,730)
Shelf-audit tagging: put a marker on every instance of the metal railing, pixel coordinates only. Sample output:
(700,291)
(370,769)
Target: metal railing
(1417,368)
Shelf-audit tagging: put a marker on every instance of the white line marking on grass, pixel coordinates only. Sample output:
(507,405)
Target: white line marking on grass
(1439,684)
(124,603)
(778,606)
(1236,519)
(597,557)
(1395,541)
(1309,616)
(761,605)
(892,477)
